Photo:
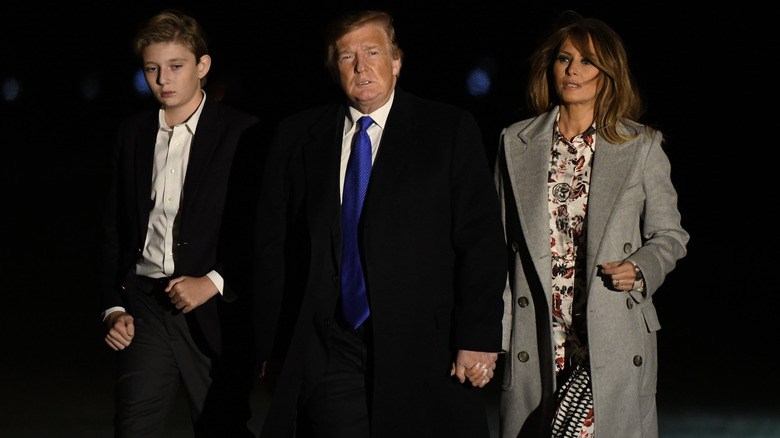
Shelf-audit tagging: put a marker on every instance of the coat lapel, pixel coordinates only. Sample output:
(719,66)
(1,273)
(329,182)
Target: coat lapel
(611,166)
(528,167)
(528,163)
(322,161)
(144,163)
(395,149)
(322,155)
(204,144)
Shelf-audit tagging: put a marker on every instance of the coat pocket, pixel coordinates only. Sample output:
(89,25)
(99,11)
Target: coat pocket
(651,317)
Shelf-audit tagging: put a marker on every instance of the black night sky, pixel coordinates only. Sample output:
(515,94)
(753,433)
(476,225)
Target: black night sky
(67,71)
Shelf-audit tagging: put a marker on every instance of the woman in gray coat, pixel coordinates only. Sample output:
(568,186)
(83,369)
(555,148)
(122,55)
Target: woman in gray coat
(592,230)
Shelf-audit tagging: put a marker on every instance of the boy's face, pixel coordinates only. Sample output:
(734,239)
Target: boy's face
(173,75)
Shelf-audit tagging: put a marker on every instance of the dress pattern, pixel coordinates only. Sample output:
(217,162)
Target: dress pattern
(568,186)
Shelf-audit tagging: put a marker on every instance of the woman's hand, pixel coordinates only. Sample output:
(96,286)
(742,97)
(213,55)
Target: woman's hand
(619,275)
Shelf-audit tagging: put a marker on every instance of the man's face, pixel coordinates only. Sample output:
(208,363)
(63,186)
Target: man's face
(368,71)
(173,75)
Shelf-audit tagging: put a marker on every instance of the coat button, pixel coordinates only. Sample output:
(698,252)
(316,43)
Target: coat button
(522,302)
(638,360)
(627,248)
(523,356)
(629,303)
(514,246)
(335,278)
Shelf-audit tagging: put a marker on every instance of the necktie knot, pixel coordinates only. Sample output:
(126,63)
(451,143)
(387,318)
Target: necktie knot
(365,122)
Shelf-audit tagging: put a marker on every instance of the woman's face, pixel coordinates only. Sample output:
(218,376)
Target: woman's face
(577,80)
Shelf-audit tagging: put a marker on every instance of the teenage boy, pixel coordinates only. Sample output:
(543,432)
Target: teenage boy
(173,310)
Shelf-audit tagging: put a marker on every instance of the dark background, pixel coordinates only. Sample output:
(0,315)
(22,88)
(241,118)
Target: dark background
(705,75)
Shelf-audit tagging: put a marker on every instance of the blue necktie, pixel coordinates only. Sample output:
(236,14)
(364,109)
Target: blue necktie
(354,302)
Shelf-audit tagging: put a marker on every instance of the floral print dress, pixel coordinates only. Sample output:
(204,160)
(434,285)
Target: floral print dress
(568,187)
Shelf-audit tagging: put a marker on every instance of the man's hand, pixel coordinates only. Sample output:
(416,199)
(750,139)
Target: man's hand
(477,366)
(187,293)
(120,330)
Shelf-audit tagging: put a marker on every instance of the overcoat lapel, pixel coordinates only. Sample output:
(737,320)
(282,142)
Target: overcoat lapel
(528,167)
(396,147)
(528,164)
(322,161)
(611,166)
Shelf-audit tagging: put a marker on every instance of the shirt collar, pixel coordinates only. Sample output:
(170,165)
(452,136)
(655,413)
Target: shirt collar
(585,137)
(379,116)
(191,124)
